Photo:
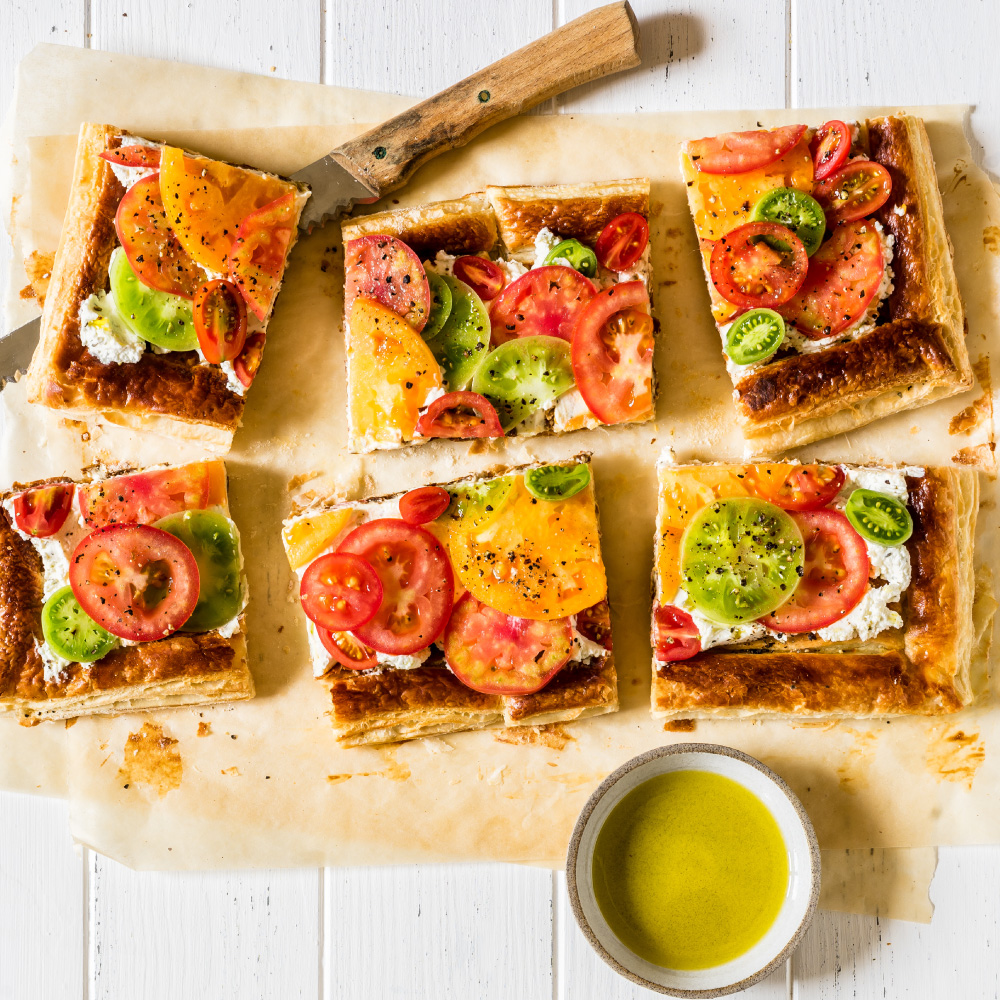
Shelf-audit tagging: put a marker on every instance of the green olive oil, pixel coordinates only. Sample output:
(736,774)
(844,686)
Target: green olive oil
(690,870)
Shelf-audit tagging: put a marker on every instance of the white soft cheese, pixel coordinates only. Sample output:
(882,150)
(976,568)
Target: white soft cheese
(713,634)
(443,263)
(641,271)
(545,243)
(405,661)
(52,663)
(571,412)
(584,649)
(105,334)
(512,269)
(232,380)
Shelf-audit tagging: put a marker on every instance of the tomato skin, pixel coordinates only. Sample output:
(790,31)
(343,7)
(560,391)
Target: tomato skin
(798,487)
(739,152)
(144,497)
(547,302)
(259,251)
(138,582)
(616,378)
(340,591)
(424,504)
(675,635)
(41,512)
(387,270)
(834,578)
(417,583)
(220,320)
(622,241)
(346,650)
(133,156)
(247,362)
(484,277)
(460,415)
(830,147)
(753,274)
(854,192)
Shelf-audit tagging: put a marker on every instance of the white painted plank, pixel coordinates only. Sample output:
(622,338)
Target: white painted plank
(451,931)
(279,39)
(224,935)
(41,902)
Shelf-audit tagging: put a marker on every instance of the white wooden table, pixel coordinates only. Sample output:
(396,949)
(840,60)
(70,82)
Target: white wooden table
(78,925)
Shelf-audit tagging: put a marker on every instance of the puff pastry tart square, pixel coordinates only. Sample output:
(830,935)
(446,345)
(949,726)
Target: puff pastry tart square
(835,238)
(511,311)
(813,590)
(120,593)
(481,603)
(166,273)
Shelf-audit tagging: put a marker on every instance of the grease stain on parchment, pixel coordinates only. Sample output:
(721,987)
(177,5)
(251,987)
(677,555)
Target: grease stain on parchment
(394,770)
(991,239)
(853,770)
(204,729)
(982,456)
(151,758)
(38,268)
(554,736)
(956,756)
(981,409)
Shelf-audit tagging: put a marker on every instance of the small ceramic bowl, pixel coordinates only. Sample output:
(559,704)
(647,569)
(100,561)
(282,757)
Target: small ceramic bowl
(793,918)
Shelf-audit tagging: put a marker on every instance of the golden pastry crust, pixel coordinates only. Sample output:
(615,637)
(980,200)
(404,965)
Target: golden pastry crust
(169,394)
(923,668)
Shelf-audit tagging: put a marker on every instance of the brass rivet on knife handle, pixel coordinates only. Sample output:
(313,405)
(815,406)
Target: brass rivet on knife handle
(597,44)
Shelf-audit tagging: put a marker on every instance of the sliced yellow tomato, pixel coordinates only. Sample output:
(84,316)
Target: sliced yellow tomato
(205,202)
(539,559)
(308,536)
(392,371)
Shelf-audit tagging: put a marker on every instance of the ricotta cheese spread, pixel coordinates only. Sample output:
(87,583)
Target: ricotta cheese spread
(105,334)
(232,380)
(127,176)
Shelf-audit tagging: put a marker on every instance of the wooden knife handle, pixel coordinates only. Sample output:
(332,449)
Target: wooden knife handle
(594,45)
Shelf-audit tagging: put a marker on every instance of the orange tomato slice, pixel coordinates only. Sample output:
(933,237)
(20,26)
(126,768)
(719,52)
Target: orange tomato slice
(306,537)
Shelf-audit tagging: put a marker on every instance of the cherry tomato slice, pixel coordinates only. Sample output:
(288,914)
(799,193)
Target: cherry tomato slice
(154,252)
(759,265)
(133,156)
(834,577)
(425,504)
(340,591)
(346,650)
(460,415)
(387,270)
(830,147)
(220,320)
(248,361)
(796,487)
(622,241)
(854,191)
(484,277)
(613,353)
(138,582)
(495,653)
(41,512)
(738,152)
(547,302)
(417,585)
(258,257)
(675,635)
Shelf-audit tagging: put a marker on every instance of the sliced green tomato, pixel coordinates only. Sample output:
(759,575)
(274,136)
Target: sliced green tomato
(70,632)
(464,339)
(162,319)
(879,517)
(524,375)
(580,258)
(477,505)
(215,543)
(441,303)
(741,558)
(557,482)
(795,210)
(756,335)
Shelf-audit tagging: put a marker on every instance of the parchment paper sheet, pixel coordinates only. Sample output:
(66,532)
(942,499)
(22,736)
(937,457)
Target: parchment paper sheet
(267,785)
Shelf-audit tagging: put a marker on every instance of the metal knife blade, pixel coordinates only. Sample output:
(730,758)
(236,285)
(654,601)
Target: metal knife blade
(335,190)
(16,350)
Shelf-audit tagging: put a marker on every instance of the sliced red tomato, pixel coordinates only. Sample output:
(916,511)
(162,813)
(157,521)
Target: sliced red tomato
(737,152)
(547,302)
(133,156)
(495,653)
(758,265)
(220,320)
(248,362)
(424,504)
(139,582)
(796,487)
(675,635)
(340,591)
(613,353)
(834,578)
(622,241)
(347,650)
(830,147)
(484,277)
(844,276)
(417,585)
(387,270)
(144,497)
(258,257)
(460,415)
(154,252)
(43,511)
(854,191)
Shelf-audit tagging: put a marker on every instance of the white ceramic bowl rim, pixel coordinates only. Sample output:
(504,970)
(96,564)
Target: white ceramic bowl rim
(592,803)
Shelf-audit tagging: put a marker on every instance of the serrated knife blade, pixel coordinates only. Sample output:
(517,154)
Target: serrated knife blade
(16,350)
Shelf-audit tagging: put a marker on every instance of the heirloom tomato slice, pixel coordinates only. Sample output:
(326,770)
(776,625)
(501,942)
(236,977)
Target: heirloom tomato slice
(41,512)
(460,415)
(830,147)
(247,362)
(544,302)
(759,265)
(622,241)
(854,191)
(133,156)
(737,152)
(424,504)
(220,320)
(347,650)
(796,487)
(675,635)
(306,537)
(387,270)
(259,251)
(484,277)
(340,591)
